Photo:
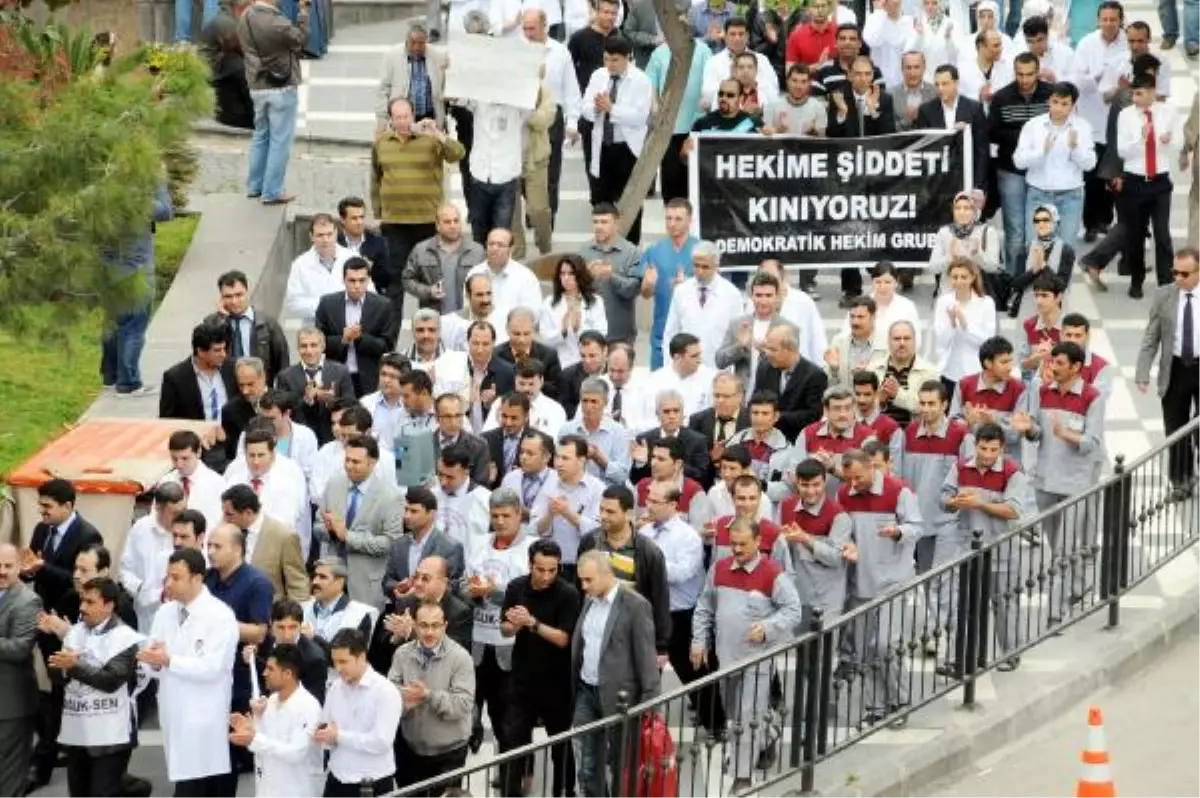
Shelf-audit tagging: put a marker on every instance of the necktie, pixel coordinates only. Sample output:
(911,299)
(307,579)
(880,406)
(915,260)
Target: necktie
(783,381)
(51,545)
(609,131)
(352,510)
(183,615)
(1187,347)
(616,405)
(257,484)
(1151,146)
(703,294)
(235,323)
(187,486)
(723,429)
(529,489)
(510,452)
(214,403)
(311,372)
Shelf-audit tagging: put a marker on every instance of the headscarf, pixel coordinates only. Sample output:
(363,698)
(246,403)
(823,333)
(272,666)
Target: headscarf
(1046,242)
(962,231)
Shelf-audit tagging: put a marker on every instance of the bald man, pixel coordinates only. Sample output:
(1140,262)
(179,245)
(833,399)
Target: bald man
(19,608)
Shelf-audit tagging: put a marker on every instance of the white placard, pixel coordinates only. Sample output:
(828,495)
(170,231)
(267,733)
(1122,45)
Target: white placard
(489,70)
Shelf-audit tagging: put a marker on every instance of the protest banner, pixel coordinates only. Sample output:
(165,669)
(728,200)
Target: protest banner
(489,70)
(822,203)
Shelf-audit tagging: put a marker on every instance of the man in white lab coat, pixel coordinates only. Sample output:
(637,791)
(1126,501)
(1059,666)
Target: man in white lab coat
(202,487)
(192,644)
(279,733)
(144,561)
(317,271)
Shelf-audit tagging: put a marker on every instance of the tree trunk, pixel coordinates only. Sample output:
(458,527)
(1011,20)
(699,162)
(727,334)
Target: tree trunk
(679,38)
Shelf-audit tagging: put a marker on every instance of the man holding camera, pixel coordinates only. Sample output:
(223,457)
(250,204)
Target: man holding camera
(271,48)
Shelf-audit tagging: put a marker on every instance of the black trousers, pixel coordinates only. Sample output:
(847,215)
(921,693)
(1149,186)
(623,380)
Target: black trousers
(1097,199)
(555,708)
(1179,406)
(336,789)
(674,169)
(616,165)
(492,688)
(49,723)
(557,132)
(220,786)
(16,750)
(852,282)
(401,238)
(706,702)
(464,124)
(95,775)
(1109,247)
(413,768)
(1147,202)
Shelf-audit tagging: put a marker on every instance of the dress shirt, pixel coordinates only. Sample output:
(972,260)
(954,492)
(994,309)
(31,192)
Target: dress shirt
(584,498)
(286,761)
(496,148)
(637,404)
(611,439)
(545,415)
(950,114)
(696,389)
(566,342)
(1062,168)
(203,491)
(284,495)
(144,566)
(1131,138)
(367,715)
(464,516)
(972,78)
(1177,344)
(514,286)
(300,446)
(630,113)
(311,278)
(887,38)
(417,550)
(243,328)
(958,347)
(708,322)
(593,635)
(720,67)
(1098,67)
(535,491)
(455,326)
(212,393)
(354,311)
(560,77)
(683,552)
(386,418)
(59,533)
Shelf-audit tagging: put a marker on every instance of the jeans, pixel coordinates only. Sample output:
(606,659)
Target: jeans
(1070,211)
(271,144)
(121,351)
(1191,23)
(1011,18)
(1012,209)
(183,17)
(491,206)
(592,751)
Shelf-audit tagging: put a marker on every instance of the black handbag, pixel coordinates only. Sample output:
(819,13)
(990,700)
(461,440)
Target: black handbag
(274,77)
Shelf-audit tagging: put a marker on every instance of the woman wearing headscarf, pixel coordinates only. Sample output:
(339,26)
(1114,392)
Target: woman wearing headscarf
(966,237)
(1047,251)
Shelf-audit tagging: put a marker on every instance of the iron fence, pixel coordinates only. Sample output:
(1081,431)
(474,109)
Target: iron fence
(780,714)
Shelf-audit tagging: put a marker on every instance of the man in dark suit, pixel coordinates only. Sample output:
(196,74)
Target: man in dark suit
(318,381)
(963,112)
(612,653)
(248,331)
(727,407)
(359,326)
(449,409)
(864,110)
(19,608)
(433,580)
(696,461)
(798,383)
(522,344)
(181,395)
(49,562)
(371,247)
(251,376)
(504,442)
(495,377)
(593,352)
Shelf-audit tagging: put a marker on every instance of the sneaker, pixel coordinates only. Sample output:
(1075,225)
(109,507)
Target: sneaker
(145,390)
(1168,42)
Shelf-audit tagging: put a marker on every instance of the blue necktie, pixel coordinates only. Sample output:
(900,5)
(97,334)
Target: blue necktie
(352,510)
(213,401)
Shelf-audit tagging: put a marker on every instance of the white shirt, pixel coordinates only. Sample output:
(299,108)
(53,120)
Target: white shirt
(1177,344)
(1059,58)
(584,498)
(593,635)
(683,551)
(560,73)
(887,38)
(367,715)
(722,304)
(331,459)
(971,79)
(575,14)
(310,279)
(939,46)
(566,342)
(302,448)
(144,566)
(722,502)
(284,495)
(286,761)
(464,516)
(958,346)
(800,309)
(696,389)
(630,113)
(514,286)
(545,415)
(1131,137)
(499,566)
(1098,67)
(450,372)
(1062,168)
(496,149)
(194,690)
(454,329)
(386,419)
(204,490)
(637,403)
(504,13)
(720,67)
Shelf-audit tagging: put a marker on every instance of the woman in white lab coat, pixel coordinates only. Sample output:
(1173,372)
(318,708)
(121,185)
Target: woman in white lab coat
(890,306)
(572,307)
(964,316)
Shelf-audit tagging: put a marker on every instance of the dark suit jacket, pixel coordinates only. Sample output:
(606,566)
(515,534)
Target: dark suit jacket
(494,438)
(649,577)
(479,454)
(460,626)
(627,655)
(930,117)
(234,417)
(55,579)
(438,543)
(882,123)
(501,375)
(375,249)
(180,395)
(571,381)
(696,459)
(379,327)
(316,416)
(800,404)
(267,341)
(705,423)
(549,358)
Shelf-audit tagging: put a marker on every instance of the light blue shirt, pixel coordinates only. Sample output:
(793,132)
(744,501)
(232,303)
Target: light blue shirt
(60,531)
(593,635)
(656,70)
(584,498)
(610,438)
(683,552)
(663,257)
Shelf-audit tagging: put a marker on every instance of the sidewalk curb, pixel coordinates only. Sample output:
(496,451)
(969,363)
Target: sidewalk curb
(974,732)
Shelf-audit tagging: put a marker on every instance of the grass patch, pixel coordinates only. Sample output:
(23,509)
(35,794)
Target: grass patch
(46,388)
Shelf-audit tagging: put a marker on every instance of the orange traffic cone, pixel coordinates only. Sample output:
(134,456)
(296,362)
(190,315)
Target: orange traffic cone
(1095,776)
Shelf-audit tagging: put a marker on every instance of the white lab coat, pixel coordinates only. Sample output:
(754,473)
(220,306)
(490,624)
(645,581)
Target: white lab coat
(195,690)
(287,764)
(144,566)
(514,286)
(465,517)
(550,327)
(696,390)
(205,487)
(722,305)
(284,495)
(450,372)
(545,415)
(309,280)
(799,308)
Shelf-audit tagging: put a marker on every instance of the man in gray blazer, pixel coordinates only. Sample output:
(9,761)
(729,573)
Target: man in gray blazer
(422,534)
(1171,333)
(612,652)
(358,518)
(19,608)
(401,65)
(913,92)
(746,332)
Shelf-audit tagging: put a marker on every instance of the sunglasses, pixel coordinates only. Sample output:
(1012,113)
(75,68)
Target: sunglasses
(1042,220)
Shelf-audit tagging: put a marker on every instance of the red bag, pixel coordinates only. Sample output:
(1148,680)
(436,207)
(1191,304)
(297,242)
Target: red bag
(658,773)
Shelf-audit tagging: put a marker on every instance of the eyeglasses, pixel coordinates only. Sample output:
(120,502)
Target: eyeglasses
(1042,220)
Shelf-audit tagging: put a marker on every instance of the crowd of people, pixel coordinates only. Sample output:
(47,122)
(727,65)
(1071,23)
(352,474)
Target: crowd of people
(381,536)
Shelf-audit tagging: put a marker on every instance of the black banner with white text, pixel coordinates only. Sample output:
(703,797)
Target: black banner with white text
(818,202)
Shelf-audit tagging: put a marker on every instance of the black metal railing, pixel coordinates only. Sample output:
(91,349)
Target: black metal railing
(778,715)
